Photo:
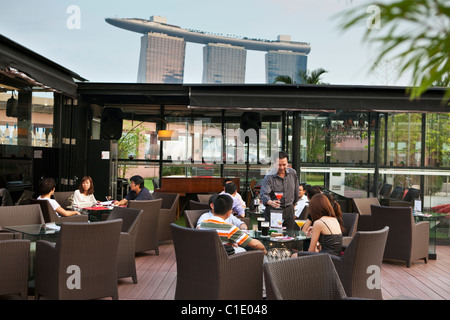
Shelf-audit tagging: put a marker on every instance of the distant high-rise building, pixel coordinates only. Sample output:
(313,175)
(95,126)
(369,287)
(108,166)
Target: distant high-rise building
(223,63)
(284,63)
(224,57)
(161,59)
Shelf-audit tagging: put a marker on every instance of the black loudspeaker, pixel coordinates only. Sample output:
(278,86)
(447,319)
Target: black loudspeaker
(111,124)
(11,107)
(251,120)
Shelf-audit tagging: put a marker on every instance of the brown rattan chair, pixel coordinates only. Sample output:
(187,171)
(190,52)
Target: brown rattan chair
(192,216)
(195,205)
(21,215)
(204,197)
(14,267)
(350,220)
(407,240)
(85,254)
(147,235)
(362,206)
(365,251)
(310,277)
(168,213)
(64,198)
(126,262)
(51,216)
(206,272)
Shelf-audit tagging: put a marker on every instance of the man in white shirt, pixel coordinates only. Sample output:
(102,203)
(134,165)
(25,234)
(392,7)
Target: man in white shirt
(231,219)
(303,201)
(238,195)
(47,189)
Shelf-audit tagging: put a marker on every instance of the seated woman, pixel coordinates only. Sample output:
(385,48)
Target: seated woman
(84,196)
(47,189)
(326,236)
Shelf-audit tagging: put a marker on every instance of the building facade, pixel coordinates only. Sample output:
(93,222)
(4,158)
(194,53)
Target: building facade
(223,63)
(284,63)
(161,59)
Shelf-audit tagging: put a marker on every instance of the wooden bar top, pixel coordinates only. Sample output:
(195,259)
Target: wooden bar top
(183,185)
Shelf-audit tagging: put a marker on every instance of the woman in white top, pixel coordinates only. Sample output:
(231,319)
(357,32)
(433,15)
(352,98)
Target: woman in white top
(84,196)
(47,189)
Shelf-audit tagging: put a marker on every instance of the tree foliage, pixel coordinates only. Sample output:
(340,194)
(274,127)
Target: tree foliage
(416,33)
(304,77)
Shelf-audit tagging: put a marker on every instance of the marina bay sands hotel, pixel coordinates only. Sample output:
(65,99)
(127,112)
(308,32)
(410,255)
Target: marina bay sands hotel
(163,48)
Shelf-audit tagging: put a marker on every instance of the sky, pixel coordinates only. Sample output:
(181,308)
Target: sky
(74,34)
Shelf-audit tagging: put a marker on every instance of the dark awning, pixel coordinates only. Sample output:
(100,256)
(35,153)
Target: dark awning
(29,67)
(315,98)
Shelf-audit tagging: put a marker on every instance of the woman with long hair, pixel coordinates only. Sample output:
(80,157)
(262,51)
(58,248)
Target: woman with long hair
(326,234)
(84,196)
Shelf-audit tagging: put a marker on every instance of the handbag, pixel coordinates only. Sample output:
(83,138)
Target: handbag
(229,249)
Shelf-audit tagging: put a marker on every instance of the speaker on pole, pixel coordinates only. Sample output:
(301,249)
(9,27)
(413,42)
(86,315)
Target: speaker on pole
(250,120)
(111,124)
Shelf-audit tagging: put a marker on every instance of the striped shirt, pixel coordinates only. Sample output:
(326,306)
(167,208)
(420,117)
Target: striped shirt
(228,234)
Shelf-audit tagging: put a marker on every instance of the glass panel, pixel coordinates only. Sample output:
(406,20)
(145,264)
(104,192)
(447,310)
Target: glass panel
(437,146)
(22,126)
(404,139)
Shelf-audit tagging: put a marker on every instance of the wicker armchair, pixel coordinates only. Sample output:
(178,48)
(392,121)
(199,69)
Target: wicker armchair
(366,249)
(350,220)
(206,272)
(310,277)
(82,245)
(51,216)
(64,198)
(192,216)
(168,213)
(14,267)
(407,240)
(21,215)
(204,197)
(147,235)
(195,205)
(362,206)
(126,262)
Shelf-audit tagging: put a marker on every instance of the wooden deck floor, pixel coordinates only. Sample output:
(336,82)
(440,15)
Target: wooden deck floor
(424,281)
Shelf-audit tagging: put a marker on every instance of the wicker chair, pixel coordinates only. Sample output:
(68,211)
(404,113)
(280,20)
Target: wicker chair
(204,197)
(14,267)
(147,235)
(131,219)
(362,206)
(350,220)
(51,216)
(206,272)
(81,245)
(195,205)
(21,215)
(310,277)
(192,216)
(168,213)
(366,249)
(407,240)
(64,198)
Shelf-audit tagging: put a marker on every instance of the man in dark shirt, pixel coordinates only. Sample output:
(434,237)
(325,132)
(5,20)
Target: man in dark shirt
(281,179)
(137,191)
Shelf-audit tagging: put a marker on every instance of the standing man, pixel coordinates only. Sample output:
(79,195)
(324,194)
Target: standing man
(137,191)
(285,180)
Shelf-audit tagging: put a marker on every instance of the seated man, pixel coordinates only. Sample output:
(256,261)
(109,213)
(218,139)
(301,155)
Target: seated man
(231,219)
(228,180)
(137,191)
(231,189)
(47,189)
(229,234)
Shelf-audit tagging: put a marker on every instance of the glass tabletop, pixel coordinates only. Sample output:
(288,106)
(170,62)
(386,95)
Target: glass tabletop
(35,229)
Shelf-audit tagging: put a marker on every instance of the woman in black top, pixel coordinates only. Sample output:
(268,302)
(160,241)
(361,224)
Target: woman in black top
(326,234)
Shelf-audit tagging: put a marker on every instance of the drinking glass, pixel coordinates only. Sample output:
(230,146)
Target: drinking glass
(279,195)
